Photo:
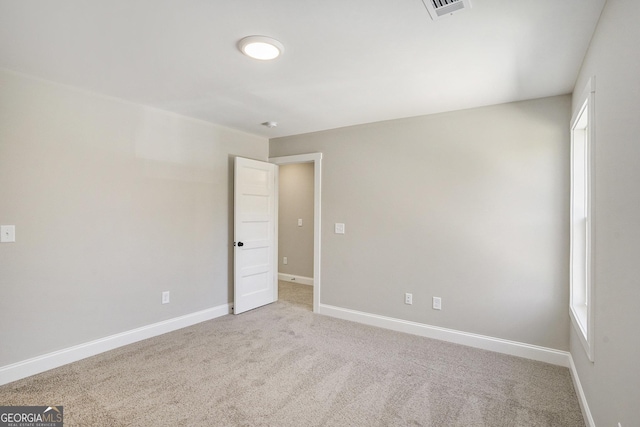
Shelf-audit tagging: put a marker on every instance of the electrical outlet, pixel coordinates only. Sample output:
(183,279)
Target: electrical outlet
(165,297)
(285,260)
(408,299)
(299,222)
(437,303)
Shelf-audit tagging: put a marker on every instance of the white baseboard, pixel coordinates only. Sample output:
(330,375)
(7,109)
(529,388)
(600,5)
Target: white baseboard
(297,279)
(582,399)
(514,348)
(36,365)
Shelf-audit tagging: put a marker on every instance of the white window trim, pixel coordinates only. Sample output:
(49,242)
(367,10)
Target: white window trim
(582,315)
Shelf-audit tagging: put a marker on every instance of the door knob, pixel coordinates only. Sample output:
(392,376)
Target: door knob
(240,244)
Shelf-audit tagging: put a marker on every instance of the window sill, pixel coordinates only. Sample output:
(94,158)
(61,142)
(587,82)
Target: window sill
(579,318)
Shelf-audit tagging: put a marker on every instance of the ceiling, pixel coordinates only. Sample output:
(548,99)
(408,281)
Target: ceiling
(345,62)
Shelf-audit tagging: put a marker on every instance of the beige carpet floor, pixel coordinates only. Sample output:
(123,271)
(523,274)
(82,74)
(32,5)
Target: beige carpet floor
(282,365)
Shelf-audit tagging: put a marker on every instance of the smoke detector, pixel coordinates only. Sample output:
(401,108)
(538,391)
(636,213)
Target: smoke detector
(441,8)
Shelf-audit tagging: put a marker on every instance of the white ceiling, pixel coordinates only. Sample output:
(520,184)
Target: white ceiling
(346,61)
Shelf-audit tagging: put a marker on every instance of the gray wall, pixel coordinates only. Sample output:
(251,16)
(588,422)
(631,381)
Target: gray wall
(113,204)
(296,202)
(470,206)
(612,382)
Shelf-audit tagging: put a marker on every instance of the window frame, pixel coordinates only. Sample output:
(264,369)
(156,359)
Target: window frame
(582,295)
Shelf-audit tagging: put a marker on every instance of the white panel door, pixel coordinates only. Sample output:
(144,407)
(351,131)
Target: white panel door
(255,234)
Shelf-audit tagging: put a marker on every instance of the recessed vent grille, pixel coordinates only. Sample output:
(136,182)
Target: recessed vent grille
(440,8)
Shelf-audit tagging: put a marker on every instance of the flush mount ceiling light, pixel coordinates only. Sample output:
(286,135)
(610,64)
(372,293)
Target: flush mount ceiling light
(261,47)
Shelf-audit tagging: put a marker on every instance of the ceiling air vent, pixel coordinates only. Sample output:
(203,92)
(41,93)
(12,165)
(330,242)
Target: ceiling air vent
(440,8)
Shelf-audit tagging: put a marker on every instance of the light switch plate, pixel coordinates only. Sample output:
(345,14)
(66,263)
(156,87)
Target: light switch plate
(339,228)
(299,222)
(7,233)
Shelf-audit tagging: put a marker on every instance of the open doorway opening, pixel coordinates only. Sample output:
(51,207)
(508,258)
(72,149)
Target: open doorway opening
(302,253)
(295,234)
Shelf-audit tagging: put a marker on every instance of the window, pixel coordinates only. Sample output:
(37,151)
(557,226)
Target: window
(581,232)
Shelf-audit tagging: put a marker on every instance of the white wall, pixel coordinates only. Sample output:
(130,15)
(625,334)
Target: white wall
(113,204)
(612,382)
(296,202)
(471,206)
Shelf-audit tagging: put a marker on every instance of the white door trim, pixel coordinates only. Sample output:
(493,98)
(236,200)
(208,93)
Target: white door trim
(316,159)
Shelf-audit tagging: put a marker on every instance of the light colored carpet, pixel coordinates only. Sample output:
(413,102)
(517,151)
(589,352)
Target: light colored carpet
(282,365)
(296,294)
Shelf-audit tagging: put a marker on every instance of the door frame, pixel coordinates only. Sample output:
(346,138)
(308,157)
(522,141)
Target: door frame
(316,159)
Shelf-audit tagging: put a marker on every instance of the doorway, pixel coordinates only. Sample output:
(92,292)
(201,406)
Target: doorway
(316,160)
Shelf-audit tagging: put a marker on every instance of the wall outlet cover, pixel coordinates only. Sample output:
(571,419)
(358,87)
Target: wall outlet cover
(408,298)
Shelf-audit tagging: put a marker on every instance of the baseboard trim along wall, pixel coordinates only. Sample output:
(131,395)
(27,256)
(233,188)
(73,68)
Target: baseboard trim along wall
(36,365)
(582,399)
(542,354)
(297,279)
